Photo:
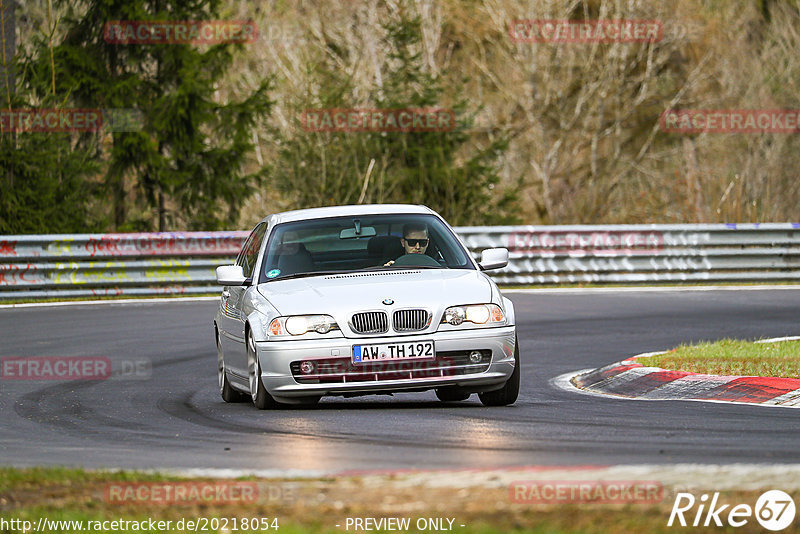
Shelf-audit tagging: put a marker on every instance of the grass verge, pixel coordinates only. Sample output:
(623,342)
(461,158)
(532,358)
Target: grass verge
(732,357)
(318,505)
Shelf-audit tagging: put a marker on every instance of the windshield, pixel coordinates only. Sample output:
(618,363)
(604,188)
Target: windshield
(366,242)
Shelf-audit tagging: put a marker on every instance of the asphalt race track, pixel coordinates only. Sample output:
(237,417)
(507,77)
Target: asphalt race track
(176,418)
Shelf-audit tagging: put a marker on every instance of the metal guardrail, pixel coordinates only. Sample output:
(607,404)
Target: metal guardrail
(86,265)
(55,266)
(767,252)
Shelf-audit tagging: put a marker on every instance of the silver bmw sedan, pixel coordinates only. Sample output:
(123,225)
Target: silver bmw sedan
(358,300)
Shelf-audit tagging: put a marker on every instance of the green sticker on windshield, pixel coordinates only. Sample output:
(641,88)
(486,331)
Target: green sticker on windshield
(273,273)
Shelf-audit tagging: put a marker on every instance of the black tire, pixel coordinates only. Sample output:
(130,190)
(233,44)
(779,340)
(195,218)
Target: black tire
(309,401)
(451,394)
(510,390)
(261,399)
(226,391)
(232,395)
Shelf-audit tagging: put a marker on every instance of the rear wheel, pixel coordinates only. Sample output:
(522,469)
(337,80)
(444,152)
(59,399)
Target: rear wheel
(451,394)
(261,399)
(225,389)
(510,390)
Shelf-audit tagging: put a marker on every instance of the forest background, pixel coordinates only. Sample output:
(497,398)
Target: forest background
(547,133)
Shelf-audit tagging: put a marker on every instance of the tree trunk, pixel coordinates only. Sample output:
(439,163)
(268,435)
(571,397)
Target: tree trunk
(118,192)
(8,47)
(8,39)
(162,211)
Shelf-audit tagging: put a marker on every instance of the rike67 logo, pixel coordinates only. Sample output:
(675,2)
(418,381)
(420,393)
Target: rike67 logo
(774,510)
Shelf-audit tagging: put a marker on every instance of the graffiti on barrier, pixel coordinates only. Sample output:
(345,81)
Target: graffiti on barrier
(8,248)
(12,275)
(163,244)
(581,243)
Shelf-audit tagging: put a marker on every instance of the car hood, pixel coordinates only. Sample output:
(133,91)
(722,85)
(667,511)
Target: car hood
(343,293)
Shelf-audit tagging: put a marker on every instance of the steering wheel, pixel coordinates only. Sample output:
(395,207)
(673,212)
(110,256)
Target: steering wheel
(420,260)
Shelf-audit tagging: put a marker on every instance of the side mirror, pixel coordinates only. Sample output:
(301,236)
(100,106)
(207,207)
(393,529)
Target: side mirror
(230,275)
(493,258)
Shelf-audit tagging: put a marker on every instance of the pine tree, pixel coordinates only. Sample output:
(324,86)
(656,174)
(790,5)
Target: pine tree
(187,165)
(427,166)
(45,177)
(441,169)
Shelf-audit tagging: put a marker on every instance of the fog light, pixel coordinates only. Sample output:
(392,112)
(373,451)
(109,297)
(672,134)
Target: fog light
(322,328)
(455,316)
(475,357)
(306,367)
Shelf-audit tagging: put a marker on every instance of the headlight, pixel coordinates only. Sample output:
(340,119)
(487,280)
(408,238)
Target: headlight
(479,314)
(297,325)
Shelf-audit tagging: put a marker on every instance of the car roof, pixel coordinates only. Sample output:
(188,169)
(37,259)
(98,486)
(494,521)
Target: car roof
(340,211)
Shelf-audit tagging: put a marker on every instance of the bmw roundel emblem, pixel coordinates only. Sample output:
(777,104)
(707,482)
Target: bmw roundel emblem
(388,302)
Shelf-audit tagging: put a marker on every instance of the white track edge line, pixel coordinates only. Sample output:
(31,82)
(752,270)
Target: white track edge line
(778,339)
(655,289)
(567,290)
(301,474)
(107,302)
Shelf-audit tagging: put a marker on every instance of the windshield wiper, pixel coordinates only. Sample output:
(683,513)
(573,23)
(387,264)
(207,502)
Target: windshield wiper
(310,273)
(379,267)
(344,271)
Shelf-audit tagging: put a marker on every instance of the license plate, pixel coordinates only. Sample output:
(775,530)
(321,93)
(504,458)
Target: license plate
(417,350)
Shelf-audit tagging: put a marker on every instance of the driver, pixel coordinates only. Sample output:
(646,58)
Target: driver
(415,240)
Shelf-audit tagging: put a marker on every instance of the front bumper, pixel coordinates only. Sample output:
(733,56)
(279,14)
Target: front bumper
(343,378)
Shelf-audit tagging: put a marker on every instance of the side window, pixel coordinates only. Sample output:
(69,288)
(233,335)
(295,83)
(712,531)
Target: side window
(245,246)
(249,254)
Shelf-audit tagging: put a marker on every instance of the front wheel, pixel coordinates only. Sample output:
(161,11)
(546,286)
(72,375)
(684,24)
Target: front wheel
(510,390)
(451,394)
(261,399)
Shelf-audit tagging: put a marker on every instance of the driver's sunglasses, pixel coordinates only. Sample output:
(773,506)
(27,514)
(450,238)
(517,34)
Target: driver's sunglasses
(413,242)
